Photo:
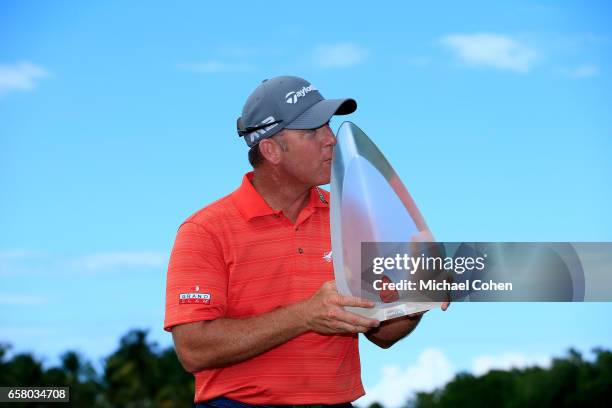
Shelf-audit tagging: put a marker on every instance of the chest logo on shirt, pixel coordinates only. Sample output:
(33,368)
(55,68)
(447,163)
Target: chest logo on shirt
(327,256)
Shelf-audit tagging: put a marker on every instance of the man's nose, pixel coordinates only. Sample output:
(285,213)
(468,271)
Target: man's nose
(330,138)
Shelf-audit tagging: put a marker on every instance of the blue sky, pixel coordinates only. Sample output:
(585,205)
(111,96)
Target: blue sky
(117,122)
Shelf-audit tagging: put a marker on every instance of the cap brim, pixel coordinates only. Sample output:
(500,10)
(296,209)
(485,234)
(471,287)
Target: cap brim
(321,112)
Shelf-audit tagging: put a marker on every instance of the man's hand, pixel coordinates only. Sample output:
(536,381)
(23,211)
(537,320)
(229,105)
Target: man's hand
(324,313)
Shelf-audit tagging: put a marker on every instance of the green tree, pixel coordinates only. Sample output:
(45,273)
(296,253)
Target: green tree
(571,381)
(80,376)
(24,370)
(4,364)
(177,386)
(132,375)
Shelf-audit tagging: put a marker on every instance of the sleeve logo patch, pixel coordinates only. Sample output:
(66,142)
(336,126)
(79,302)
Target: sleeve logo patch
(189,298)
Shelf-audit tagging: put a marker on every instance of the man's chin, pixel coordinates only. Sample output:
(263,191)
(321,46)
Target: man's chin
(323,181)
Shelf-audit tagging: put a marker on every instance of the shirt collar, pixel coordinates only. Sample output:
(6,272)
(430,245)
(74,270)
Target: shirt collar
(251,204)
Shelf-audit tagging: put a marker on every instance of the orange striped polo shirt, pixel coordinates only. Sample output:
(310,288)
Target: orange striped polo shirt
(238,258)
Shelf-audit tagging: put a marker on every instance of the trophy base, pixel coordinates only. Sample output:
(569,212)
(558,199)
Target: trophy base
(391,311)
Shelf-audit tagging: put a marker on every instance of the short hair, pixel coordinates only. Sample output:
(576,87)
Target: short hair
(255,156)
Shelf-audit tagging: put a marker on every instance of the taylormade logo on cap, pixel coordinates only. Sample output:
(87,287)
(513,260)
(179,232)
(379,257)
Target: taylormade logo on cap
(293,96)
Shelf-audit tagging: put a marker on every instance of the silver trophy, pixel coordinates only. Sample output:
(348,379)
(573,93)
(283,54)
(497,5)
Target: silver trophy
(370,206)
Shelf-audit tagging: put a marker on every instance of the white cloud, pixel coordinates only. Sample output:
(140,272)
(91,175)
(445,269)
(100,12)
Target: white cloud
(22,76)
(18,254)
(433,370)
(236,51)
(215,66)
(12,333)
(491,50)
(21,300)
(115,260)
(582,71)
(31,263)
(396,385)
(507,361)
(341,55)
(20,261)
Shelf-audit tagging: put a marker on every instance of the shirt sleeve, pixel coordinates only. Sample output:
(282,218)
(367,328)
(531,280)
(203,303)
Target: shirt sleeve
(196,285)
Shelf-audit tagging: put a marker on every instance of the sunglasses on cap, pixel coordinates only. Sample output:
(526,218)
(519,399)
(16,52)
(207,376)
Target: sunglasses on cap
(245,130)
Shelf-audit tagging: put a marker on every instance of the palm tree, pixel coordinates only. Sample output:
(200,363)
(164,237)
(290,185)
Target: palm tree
(81,377)
(132,375)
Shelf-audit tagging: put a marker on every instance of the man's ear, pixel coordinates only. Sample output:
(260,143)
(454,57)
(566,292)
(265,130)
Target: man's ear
(271,150)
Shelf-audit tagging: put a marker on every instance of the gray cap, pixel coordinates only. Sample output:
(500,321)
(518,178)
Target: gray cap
(287,102)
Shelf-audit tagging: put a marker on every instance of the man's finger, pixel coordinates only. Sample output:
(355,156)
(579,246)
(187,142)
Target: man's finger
(355,320)
(342,327)
(354,301)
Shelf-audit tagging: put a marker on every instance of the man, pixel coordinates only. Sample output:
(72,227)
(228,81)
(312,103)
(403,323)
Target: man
(250,299)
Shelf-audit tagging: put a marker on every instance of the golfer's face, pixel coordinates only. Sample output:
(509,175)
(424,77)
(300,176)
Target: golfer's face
(309,153)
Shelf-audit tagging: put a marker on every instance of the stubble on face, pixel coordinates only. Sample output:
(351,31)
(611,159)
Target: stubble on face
(308,154)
